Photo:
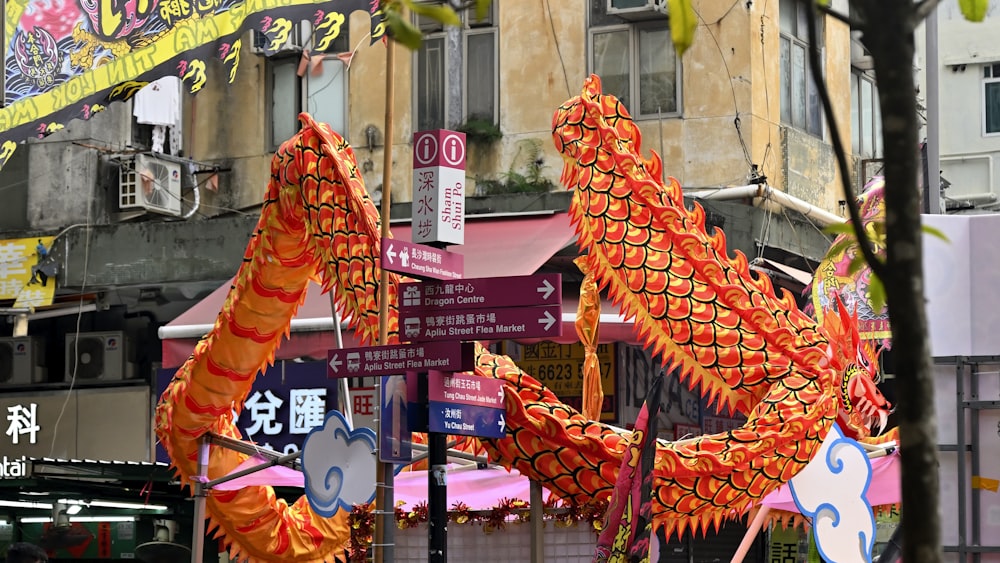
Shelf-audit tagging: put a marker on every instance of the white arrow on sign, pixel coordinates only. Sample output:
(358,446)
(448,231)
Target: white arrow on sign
(546,289)
(500,395)
(547,320)
(335,363)
(502,423)
(390,254)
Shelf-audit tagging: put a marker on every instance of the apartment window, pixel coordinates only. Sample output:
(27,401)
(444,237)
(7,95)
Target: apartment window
(800,103)
(866,119)
(479,72)
(637,64)
(991,99)
(322,93)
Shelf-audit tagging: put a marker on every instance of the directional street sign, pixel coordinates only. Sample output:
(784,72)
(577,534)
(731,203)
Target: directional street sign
(462,388)
(466,420)
(421,261)
(397,359)
(484,293)
(470,324)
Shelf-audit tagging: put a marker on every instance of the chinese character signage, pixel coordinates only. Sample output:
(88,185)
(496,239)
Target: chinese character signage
(99,423)
(560,368)
(438,187)
(284,405)
(22,276)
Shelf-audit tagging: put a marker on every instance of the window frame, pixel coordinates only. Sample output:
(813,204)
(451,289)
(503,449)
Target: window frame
(301,95)
(634,61)
(798,38)
(994,78)
(859,77)
(272,143)
(470,27)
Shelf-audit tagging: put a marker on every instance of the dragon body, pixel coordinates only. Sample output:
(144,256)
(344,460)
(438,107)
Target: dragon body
(750,350)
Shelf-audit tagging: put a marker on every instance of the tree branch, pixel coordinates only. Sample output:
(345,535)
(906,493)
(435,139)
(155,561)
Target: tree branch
(877,266)
(924,8)
(843,18)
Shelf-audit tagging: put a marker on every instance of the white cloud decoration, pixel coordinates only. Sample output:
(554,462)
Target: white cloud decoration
(339,466)
(831,491)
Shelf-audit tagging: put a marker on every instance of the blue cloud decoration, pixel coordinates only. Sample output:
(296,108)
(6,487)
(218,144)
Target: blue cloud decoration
(339,466)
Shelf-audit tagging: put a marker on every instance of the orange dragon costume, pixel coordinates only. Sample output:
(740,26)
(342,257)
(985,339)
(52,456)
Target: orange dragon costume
(750,350)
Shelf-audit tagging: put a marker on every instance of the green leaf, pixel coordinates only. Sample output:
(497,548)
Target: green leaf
(438,12)
(482,9)
(839,229)
(974,10)
(934,232)
(403,31)
(841,246)
(856,264)
(683,22)
(876,293)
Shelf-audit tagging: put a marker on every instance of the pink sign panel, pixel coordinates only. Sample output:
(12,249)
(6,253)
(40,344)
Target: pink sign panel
(487,293)
(439,147)
(400,358)
(465,389)
(479,324)
(421,261)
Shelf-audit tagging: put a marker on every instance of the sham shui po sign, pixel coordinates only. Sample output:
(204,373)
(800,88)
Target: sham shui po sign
(438,187)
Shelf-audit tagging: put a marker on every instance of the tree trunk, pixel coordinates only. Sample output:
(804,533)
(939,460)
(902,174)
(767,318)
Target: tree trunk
(888,27)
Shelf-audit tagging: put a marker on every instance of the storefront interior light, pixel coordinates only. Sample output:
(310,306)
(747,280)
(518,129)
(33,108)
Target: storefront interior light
(26,504)
(113,504)
(47,520)
(74,506)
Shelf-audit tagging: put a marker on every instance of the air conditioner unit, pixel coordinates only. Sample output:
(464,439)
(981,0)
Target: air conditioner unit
(95,356)
(150,183)
(298,38)
(21,361)
(637,9)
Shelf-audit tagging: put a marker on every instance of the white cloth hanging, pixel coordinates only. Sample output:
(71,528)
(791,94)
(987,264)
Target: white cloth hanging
(159,103)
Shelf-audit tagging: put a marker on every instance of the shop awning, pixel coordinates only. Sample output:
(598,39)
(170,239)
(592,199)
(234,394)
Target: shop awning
(495,247)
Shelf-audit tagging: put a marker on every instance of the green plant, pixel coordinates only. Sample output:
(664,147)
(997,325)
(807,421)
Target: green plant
(481,130)
(530,180)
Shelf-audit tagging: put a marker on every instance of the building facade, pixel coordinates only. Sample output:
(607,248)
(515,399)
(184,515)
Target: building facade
(738,109)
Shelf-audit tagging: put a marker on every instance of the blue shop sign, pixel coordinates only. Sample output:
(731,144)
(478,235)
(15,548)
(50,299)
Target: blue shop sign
(284,404)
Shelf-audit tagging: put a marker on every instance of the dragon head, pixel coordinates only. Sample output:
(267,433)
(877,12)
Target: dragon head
(863,411)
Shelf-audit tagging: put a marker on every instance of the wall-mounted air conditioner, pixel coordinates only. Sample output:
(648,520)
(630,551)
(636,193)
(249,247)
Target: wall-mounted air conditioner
(21,361)
(150,183)
(637,9)
(298,38)
(96,356)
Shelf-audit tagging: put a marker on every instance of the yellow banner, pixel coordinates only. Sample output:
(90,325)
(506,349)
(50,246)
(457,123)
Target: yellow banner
(18,277)
(560,368)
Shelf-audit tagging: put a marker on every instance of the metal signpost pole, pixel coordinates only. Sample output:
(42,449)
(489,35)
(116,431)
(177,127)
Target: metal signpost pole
(437,497)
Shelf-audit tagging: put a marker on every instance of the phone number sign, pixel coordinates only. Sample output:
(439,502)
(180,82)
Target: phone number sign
(560,368)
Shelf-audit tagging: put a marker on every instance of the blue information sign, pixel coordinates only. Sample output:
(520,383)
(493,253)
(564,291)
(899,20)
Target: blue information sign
(466,420)
(395,444)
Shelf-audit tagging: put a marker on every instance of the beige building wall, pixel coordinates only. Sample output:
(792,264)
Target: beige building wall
(732,70)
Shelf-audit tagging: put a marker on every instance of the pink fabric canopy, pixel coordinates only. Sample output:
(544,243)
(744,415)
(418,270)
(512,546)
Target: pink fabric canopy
(479,489)
(883,489)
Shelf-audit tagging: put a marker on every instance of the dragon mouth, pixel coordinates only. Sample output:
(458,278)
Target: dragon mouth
(874,416)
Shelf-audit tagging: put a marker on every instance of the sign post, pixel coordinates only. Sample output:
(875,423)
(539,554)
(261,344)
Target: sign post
(438,187)
(438,220)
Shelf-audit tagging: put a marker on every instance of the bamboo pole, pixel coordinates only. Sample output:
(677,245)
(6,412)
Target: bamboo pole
(384,501)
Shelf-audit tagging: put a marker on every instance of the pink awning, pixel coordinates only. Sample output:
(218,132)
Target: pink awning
(494,247)
(479,489)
